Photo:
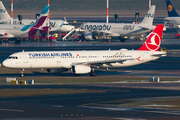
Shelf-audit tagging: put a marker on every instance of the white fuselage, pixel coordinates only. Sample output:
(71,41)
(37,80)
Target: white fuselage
(117,29)
(10,31)
(14,30)
(173,20)
(66,59)
(55,25)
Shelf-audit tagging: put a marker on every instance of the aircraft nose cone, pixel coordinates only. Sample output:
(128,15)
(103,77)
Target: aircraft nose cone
(5,63)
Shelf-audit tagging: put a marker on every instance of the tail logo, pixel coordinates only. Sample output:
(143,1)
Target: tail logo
(170,8)
(153,43)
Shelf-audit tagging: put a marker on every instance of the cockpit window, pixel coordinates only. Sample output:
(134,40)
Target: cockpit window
(12,57)
(65,24)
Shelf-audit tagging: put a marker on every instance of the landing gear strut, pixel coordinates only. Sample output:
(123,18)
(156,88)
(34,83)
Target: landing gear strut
(17,41)
(22,71)
(122,39)
(92,73)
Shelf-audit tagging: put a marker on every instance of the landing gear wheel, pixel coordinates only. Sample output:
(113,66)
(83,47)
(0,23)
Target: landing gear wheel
(21,75)
(22,71)
(17,41)
(122,39)
(104,41)
(76,74)
(93,74)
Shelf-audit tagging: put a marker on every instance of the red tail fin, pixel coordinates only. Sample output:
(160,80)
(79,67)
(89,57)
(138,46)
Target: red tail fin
(154,40)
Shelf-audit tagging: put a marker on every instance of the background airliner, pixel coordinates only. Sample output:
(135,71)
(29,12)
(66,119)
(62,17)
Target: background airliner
(20,31)
(81,62)
(55,25)
(119,29)
(173,16)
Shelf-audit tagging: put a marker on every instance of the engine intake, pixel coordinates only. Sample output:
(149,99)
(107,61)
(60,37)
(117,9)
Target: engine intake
(81,69)
(90,36)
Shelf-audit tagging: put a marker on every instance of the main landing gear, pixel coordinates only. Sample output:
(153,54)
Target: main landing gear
(122,39)
(22,71)
(92,73)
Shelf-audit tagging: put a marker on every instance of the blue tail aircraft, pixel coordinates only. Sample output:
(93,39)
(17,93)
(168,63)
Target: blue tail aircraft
(173,16)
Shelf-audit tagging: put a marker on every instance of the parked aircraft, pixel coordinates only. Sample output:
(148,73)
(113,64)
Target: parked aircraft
(91,30)
(173,16)
(55,25)
(22,31)
(81,62)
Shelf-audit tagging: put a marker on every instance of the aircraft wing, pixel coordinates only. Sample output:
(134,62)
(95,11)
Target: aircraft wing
(98,63)
(159,55)
(145,27)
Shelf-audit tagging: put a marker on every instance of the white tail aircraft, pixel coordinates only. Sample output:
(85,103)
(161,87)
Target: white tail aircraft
(81,62)
(55,25)
(20,31)
(119,29)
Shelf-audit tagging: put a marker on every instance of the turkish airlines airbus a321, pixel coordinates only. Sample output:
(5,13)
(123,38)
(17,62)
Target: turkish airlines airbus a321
(81,62)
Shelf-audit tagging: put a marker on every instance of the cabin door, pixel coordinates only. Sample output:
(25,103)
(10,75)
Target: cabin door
(25,58)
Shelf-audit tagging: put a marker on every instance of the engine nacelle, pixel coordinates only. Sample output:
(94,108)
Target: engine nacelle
(56,70)
(89,36)
(81,69)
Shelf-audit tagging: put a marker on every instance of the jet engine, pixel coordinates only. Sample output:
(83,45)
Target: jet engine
(80,69)
(90,36)
(60,70)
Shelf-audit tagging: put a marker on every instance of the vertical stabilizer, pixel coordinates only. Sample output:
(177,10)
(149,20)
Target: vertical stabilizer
(40,24)
(170,9)
(148,18)
(154,40)
(4,16)
(42,18)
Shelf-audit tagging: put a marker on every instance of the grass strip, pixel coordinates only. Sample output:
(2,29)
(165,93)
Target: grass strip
(171,103)
(34,92)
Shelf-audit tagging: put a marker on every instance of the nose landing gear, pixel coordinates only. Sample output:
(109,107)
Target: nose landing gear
(22,71)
